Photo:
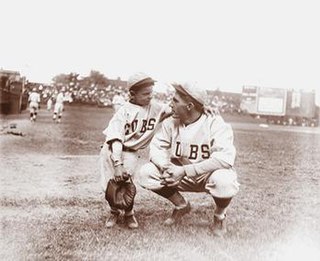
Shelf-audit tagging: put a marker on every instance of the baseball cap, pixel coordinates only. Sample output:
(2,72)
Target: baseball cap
(191,89)
(139,79)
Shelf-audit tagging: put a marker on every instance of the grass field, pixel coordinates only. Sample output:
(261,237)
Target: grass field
(52,207)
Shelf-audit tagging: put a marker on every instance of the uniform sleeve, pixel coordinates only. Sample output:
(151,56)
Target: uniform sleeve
(116,127)
(223,152)
(160,146)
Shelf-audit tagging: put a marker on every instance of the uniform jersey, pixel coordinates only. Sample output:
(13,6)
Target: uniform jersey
(196,146)
(34,97)
(118,100)
(58,107)
(60,98)
(135,125)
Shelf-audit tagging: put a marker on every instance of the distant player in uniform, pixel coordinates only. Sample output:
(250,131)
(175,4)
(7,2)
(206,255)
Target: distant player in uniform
(117,101)
(34,102)
(49,103)
(130,130)
(58,107)
(192,152)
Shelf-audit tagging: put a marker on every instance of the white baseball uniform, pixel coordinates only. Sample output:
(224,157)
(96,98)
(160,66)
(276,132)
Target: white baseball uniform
(204,148)
(58,107)
(34,100)
(117,102)
(134,126)
(49,104)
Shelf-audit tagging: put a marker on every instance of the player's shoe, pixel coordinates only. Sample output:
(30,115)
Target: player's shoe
(219,226)
(177,214)
(131,221)
(112,220)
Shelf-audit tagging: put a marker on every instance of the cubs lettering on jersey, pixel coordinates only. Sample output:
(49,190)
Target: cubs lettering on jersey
(194,151)
(199,143)
(135,125)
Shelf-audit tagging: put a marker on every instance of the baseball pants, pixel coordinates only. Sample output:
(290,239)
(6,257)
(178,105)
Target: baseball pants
(221,183)
(33,107)
(130,160)
(58,108)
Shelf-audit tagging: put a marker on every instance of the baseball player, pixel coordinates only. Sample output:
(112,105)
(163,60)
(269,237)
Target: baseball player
(49,103)
(117,101)
(58,107)
(34,101)
(192,152)
(129,131)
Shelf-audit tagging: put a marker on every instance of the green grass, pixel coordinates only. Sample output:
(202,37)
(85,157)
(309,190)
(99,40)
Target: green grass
(52,207)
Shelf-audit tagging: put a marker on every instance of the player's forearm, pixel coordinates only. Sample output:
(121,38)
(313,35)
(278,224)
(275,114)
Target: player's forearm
(206,166)
(116,147)
(160,159)
(159,153)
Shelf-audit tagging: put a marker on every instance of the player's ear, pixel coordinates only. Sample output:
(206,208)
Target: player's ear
(190,106)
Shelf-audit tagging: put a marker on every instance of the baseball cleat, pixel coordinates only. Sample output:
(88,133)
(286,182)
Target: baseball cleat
(177,214)
(131,221)
(219,227)
(112,220)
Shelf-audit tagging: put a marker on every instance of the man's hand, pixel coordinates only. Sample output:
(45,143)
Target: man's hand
(165,115)
(172,175)
(120,174)
(210,110)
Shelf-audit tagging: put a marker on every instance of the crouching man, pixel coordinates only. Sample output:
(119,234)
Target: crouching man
(193,152)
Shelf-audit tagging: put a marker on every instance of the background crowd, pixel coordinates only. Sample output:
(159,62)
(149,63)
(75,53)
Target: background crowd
(98,90)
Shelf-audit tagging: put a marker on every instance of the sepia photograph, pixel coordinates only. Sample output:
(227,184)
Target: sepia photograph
(160,130)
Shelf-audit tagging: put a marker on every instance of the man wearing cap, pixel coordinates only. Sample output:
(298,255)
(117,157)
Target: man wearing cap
(129,131)
(34,102)
(192,152)
(58,107)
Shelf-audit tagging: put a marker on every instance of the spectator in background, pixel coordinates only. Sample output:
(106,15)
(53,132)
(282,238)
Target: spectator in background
(117,101)
(34,101)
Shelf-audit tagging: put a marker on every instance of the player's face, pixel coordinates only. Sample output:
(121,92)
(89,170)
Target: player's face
(143,96)
(179,107)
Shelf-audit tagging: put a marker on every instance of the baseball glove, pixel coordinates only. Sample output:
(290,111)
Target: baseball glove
(121,195)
